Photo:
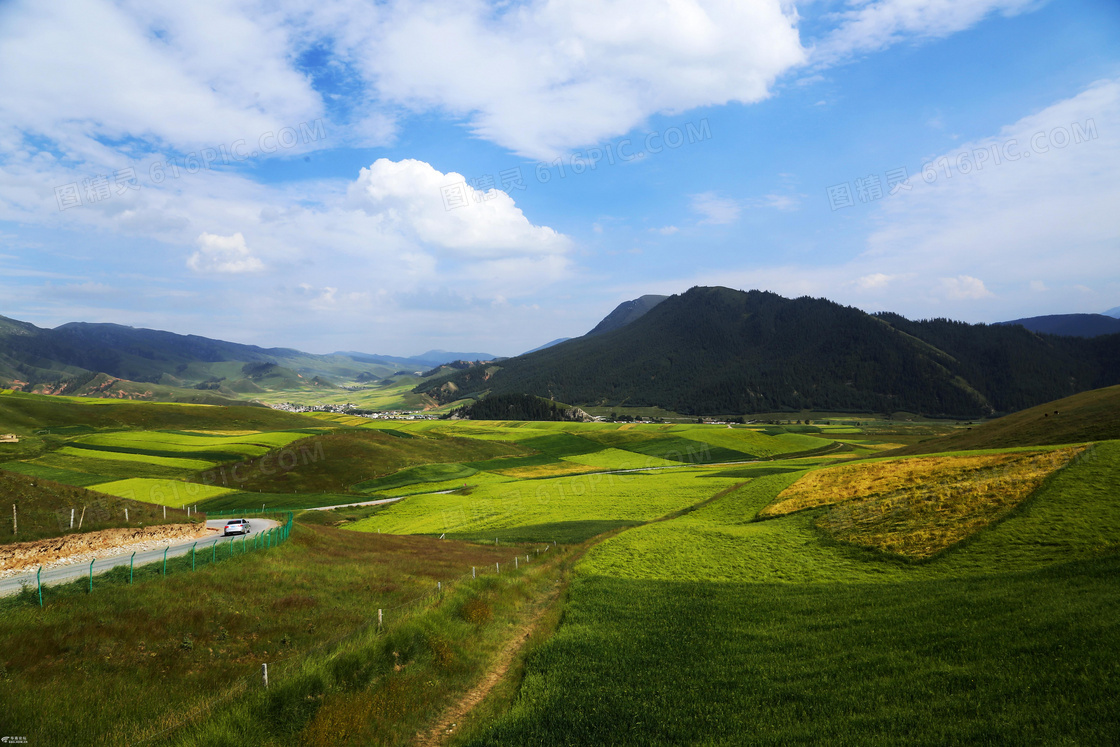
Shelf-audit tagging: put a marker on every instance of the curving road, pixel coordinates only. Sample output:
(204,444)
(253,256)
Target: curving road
(66,573)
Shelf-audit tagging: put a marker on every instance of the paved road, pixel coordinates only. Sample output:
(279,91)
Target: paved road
(66,573)
(377,502)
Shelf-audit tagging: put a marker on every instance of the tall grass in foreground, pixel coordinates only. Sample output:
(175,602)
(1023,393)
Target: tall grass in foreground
(382,687)
(1017,659)
(127,661)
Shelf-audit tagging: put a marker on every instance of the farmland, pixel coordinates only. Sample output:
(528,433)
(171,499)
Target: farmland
(792,582)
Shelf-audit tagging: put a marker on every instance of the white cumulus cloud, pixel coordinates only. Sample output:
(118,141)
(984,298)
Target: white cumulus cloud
(964,287)
(543,77)
(223,254)
(874,281)
(440,210)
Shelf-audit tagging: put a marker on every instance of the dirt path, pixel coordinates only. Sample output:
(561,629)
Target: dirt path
(449,721)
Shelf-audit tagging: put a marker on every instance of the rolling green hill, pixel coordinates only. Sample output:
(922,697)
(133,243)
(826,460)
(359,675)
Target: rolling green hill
(721,351)
(24,414)
(1088,416)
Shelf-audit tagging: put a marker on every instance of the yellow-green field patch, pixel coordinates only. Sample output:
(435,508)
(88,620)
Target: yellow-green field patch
(164,492)
(918,507)
(596,497)
(113,456)
(619,459)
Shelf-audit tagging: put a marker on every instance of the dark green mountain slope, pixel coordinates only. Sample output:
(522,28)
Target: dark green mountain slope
(716,350)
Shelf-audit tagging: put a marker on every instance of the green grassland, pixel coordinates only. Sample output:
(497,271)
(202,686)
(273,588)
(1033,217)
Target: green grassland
(95,442)
(176,493)
(160,442)
(1089,416)
(172,463)
(389,394)
(44,509)
(177,659)
(337,461)
(690,620)
(26,413)
(426,473)
(1018,658)
(714,628)
(1070,517)
(598,497)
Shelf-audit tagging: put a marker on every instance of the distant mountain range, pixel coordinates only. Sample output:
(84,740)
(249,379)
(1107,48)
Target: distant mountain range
(707,351)
(1115,313)
(430,359)
(1074,325)
(721,351)
(81,358)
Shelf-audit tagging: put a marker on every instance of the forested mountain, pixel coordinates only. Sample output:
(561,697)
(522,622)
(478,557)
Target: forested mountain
(518,407)
(626,312)
(1074,325)
(721,351)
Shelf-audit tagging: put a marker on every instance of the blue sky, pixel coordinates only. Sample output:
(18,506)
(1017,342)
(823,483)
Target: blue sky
(412,175)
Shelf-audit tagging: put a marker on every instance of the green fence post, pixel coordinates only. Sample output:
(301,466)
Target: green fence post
(91,576)
(165,559)
(192,554)
(214,551)
(130,562)
(39,581)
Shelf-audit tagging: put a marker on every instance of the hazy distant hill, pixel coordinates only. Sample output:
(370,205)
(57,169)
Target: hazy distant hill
(717,350)
(81,358)
(439,357)
(1115,313)
(625,313)
(1076,325)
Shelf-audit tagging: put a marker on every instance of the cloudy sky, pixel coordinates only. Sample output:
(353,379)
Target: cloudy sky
(466,175)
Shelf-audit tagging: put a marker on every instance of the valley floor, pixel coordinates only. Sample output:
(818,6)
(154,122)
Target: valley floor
(767,584)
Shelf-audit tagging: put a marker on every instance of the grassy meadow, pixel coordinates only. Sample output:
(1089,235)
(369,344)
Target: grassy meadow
(767,583)
(191,644)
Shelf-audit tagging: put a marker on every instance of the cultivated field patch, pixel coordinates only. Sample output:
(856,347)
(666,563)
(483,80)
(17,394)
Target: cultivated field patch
(163,492)
(633,497)
(919,507)
(116,456)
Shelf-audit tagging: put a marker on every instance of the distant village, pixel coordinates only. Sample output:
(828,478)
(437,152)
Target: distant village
(350,408)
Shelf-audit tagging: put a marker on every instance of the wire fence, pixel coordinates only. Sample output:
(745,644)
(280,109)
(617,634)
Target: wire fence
(386,620)
(202,552)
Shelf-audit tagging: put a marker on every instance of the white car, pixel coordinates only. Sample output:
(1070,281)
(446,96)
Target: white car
(236,526)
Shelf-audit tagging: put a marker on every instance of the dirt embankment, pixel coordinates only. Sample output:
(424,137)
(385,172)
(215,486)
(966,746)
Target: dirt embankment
(78,548)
